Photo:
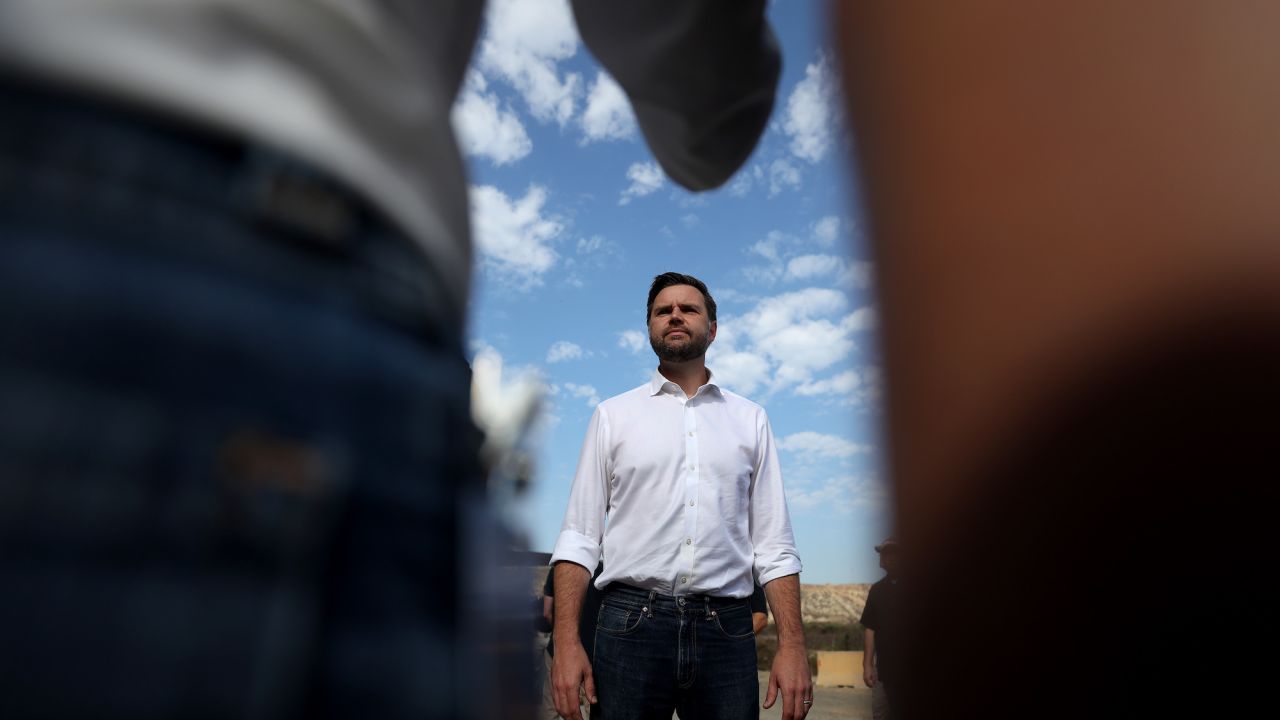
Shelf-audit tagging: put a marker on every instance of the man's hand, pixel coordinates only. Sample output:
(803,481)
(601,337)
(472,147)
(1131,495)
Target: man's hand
(548,605)
(569,671)
(790,678)
(790,673)
(570,668)
(870,676)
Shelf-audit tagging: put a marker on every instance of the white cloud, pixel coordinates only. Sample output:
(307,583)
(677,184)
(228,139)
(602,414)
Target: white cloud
(484,128)
(872,385)
(746,179)
(806,347)
(769,246)
(864,318)
(774,314)
(863,390)
(842,384)
(633,341)
(524,44)
(583,391)
(805,267)
(645,178)
(608,114)
(857,275)
(591,244)
(841,494)
(513,236)
(741,372)
(812,446)
(563,350)
(790,258)
(786,341)
(809,114)
(827,229)
(782,175)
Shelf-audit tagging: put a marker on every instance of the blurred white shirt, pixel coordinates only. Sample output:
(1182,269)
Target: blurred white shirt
(691,490)
(363,89)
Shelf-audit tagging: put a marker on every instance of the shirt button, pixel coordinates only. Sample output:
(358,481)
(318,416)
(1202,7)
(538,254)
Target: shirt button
(690,433)
(690,503)
(688,541)
(684,580)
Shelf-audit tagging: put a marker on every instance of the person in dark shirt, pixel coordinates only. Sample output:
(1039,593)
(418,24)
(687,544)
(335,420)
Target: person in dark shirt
(879,653)
(759,610)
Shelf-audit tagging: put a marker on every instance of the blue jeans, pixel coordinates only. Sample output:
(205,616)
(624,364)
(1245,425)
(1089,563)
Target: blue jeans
(232,435)
(691,654)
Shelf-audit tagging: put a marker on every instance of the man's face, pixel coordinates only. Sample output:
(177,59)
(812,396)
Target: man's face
(679,328)
(889,560)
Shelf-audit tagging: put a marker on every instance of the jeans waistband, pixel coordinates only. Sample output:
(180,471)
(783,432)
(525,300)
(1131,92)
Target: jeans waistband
(633,595)
(153,183)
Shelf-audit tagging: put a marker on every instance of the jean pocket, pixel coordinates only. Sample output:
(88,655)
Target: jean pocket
(734,622)
(618,619)
(142,544)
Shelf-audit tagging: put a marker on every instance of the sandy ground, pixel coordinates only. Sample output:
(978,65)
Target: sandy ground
(828,703)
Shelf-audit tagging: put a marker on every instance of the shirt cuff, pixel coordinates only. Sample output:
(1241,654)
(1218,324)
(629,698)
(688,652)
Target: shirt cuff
(577,548)
(768,572)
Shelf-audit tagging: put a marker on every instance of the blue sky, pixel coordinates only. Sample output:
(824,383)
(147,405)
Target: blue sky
(572,219)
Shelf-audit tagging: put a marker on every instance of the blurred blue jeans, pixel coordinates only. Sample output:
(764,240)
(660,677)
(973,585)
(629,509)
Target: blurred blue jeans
(692,654)
(233,437)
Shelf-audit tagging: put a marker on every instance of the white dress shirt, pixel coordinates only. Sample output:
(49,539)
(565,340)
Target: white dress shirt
(692,493)
(364,88)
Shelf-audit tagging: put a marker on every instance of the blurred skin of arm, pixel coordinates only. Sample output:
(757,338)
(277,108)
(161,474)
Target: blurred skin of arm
(758,622)
(1010,149)
(869,675)
(789,675)
(570,668)
(548,605)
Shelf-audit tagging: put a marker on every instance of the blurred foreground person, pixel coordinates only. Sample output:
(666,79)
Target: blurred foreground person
(1073,211)
(235,436)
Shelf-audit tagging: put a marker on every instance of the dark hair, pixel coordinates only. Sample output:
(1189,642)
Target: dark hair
(667,279)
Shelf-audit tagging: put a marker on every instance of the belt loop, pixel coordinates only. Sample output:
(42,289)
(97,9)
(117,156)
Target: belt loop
(706,603)
(649,608)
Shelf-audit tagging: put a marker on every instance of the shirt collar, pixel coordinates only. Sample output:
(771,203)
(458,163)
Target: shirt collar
(659,384)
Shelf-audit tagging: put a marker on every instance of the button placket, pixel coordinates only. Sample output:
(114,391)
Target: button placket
(691,477)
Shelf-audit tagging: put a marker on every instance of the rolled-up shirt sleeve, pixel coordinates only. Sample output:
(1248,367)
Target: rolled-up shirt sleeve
(582,532)
(771,535)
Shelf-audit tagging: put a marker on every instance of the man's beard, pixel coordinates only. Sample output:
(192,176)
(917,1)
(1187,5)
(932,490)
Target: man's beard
(696,346)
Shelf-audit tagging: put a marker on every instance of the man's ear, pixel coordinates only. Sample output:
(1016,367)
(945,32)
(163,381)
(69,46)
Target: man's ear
(713,333)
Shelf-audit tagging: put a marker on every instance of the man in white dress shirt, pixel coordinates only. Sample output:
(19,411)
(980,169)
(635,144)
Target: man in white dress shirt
(687,475)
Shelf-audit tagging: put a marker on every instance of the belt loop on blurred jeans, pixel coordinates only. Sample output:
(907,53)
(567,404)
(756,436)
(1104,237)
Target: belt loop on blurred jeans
(289,195)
